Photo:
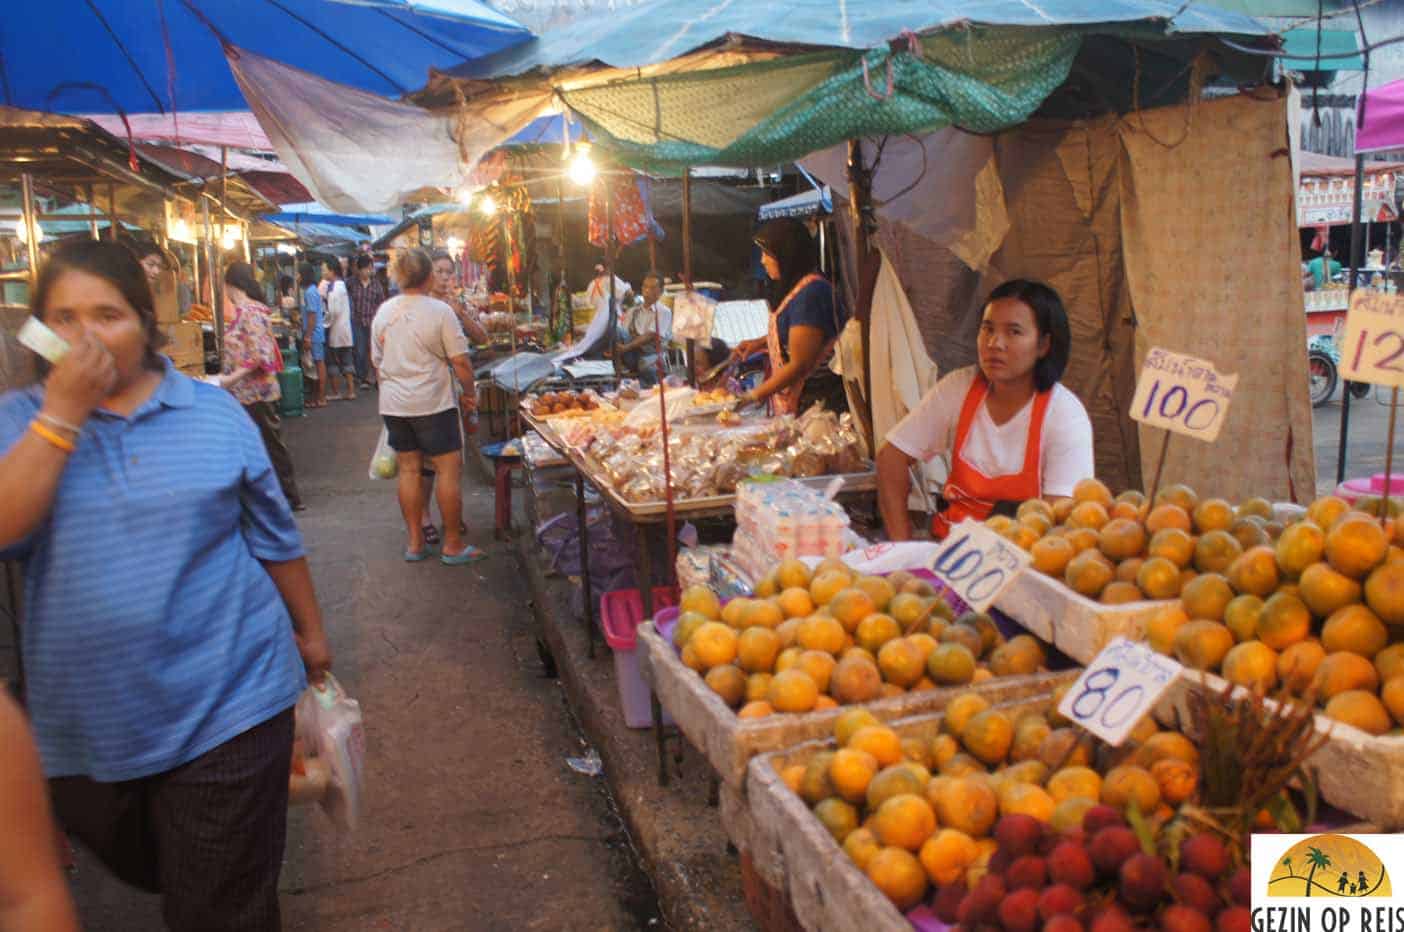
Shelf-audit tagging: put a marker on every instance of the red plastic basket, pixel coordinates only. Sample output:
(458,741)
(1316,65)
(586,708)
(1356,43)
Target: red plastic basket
(621,613)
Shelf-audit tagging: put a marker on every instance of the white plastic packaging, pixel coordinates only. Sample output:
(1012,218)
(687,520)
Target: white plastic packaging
(330,726)
(383,464)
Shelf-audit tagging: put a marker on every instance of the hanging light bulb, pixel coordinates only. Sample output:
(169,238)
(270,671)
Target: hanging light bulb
(582,169)
(464,196)
(487,205)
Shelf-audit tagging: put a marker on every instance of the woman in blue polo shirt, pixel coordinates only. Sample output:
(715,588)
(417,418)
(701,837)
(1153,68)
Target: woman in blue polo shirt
(805,321)
(170,613)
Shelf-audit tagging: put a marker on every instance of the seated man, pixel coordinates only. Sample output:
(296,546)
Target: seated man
(637,344)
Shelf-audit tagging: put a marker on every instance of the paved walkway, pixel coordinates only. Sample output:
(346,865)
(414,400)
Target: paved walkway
(475,822)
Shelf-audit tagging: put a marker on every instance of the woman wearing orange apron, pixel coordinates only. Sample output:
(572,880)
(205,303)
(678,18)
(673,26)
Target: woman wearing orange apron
(804,325)
(1011,430)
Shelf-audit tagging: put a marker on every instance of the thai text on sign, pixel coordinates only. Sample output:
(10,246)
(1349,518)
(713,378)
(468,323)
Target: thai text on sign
(1183,394)
(1374,339)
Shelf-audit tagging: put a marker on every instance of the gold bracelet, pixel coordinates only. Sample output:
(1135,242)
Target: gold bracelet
(62,443)
(59,424)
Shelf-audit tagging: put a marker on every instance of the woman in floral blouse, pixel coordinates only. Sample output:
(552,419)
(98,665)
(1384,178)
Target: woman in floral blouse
(251,366)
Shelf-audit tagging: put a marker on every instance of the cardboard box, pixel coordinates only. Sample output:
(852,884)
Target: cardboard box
(185,343)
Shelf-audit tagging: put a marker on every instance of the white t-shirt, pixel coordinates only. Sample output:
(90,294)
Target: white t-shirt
(413,337)
(929,430)
(338,316)
(641,322)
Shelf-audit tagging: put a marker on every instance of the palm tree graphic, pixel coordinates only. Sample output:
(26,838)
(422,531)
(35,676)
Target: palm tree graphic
(1287,863)
(1318,859)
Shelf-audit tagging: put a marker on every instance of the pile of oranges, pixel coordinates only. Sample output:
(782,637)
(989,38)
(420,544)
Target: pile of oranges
(807,641)
(1124,549)
(922,812)
(1319,613)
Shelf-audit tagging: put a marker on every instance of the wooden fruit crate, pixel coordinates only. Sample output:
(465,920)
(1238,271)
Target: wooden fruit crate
(1078,626)
(827,889)
(1354,771)
(728,743)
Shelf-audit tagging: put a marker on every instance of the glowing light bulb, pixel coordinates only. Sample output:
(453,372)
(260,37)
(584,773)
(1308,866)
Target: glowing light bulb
(465,196)
(582,169)
(487,205)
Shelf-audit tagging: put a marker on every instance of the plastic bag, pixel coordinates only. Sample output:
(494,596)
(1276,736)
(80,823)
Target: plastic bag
(339,742)
(693,315)
(383,464)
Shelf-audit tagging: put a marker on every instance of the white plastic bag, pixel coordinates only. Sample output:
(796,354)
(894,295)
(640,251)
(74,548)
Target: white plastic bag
(340,743)
(383,464)
(693,315)
(647,413)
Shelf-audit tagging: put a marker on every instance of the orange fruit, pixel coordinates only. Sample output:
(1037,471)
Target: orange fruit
(729,682)
(1082,538)
(1051,555)
(855,679)
(792,574)
(701,600)
(1213,514)
(1326,511)
(731,611)
(820,633)
(878,589)
(1167,516)
(1121,593)
(899,875)
(1361,709)
(901,662)
(966,803)
(1300,546)
(756,650)
(1121,539)
(1354,628)
(1166,745)
(1088,515)
(1255,572)
(1125,510)
(880,741)
(757,709)
(1215,551)
(951,664)
(713,644)
(1252,664)
(1159,578)
(1092,490)
(1324,589)
(988,736)
(1127,784)
(1179,495)
(818,666)
(860,846)
(1384,592)
(1088,573)
(792,776)
(850,606)
(848,723)
(792,691)
(1296,666)
(1390,662)
(1177,780)
(1356,545)
(960,710)
(787,659)
(757,686)
(688,623)
(838,816)
(1250,533)
(1074,781)
(828,584)
(947,855)
(1202,645)
(1343,671)
(904,821)
(1206,597)
(850,771)
(1259,507)
(1026,799)
(876,630)
(1392,695)
(1173,544)
(1241,616)
(1062,507)
(796,603)
(1161,627)
(1126,570)
(762,613)
(1035,506)
(1283,621)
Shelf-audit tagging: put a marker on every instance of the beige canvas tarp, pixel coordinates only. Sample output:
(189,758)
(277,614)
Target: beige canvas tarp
(1149,243)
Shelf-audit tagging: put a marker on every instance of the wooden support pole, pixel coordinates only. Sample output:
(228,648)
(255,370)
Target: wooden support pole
(112,223)
(860,185)
(31,230)
(92,214)
(687,269)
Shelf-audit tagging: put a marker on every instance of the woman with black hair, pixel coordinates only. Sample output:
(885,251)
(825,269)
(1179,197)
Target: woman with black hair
(1011,430)
(804,323)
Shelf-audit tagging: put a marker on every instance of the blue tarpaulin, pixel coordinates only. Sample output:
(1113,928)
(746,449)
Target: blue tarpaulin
(636,35)
(328,219)
(89,56)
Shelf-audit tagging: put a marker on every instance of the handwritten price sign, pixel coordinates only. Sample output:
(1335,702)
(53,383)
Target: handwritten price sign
(977,564)
(1182,394)
(1374,339)
(1117,689)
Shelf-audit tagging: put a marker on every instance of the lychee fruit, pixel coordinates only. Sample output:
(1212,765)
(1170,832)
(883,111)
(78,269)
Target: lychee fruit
(1070,863)
(1019,834)
(1111,846)
(1142,881)
(1195,892)
(946,905)
(1234,919)
(1184,919)
(1241,887)
(1111,918)
(1058,900)
(1062,923)
(1000,861)
(1019,911)
(981,902)
(1029,872)
(1205,855)
(1100,817)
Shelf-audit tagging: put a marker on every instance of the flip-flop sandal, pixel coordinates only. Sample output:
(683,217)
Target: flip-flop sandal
(431,535)
(470,554)
(413,556)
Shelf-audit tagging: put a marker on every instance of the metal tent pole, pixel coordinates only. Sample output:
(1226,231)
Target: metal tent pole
(1355,246)
(687,269)
(860,181)
(216,280)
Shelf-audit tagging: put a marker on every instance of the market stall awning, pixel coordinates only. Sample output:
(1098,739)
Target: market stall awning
(1302,46)
(805,204)
(1383,127)
(237,129)
(142,56)
(311,214)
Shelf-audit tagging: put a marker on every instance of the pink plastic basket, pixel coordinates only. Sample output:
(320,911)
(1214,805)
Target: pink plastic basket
(621,613)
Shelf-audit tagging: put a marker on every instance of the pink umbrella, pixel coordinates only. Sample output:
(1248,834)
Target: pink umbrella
(1382,128)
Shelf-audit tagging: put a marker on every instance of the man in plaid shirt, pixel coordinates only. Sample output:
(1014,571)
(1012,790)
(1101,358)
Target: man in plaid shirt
(367,294)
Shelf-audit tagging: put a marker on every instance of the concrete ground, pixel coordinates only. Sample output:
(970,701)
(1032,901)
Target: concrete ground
(474,819)
(1367,433)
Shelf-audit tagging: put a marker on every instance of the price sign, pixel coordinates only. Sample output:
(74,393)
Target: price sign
(1374,339)
(1117,689)
(1182,394)
(976,564)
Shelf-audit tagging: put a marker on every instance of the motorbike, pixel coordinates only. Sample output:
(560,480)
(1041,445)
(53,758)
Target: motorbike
(1323,368)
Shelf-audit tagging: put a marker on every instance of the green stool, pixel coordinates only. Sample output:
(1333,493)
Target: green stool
(290,383)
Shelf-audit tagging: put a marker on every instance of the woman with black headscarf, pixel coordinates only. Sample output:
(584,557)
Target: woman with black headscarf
(805,323)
